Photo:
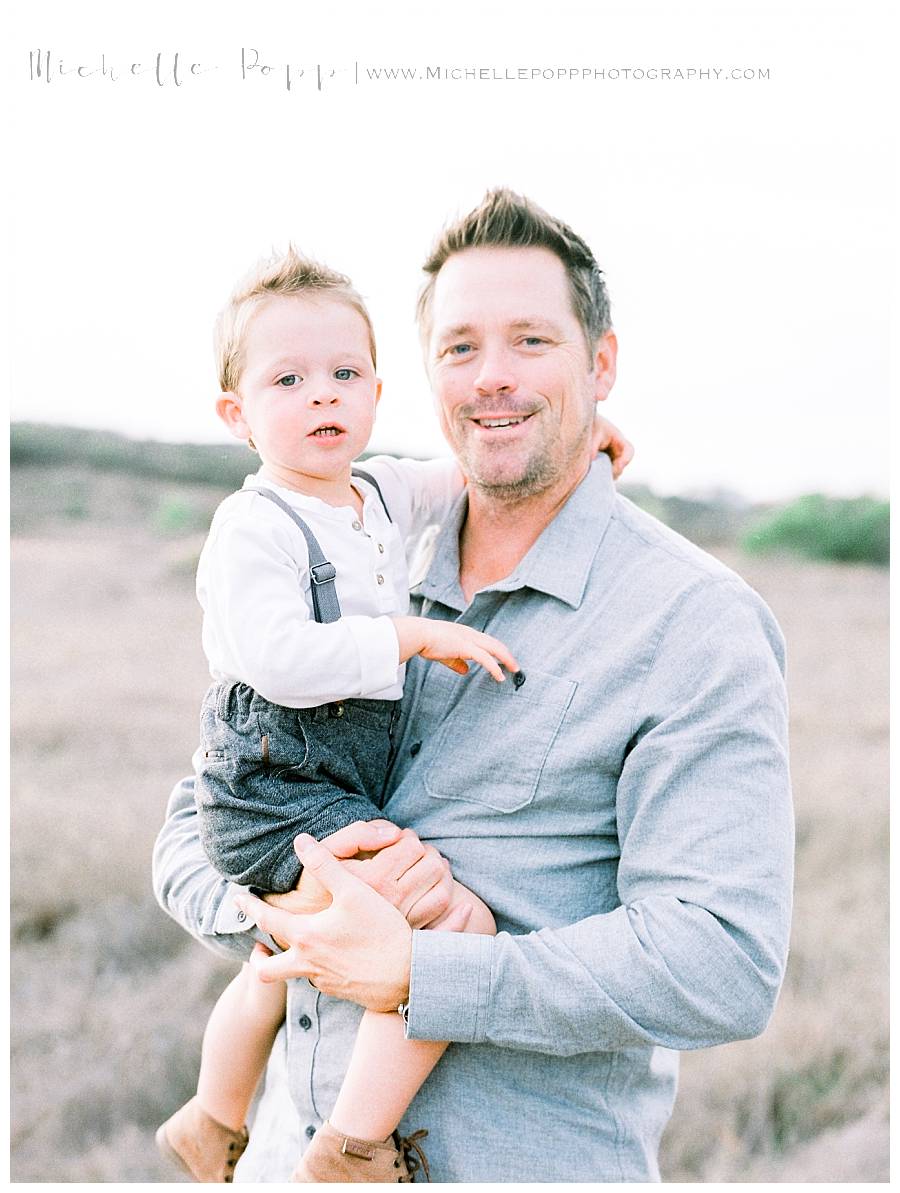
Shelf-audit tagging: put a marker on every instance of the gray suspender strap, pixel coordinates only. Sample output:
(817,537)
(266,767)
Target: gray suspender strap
(326,606)
(367,476)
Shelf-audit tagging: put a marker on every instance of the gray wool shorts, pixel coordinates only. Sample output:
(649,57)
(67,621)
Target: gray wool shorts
(270,772)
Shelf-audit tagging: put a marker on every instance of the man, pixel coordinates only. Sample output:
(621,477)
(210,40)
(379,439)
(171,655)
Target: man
(624,810)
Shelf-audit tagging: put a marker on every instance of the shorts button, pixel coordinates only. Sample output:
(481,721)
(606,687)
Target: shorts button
(305,1022)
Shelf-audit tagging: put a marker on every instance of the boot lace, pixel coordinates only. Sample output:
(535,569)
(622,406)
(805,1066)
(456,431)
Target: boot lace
(411,1150)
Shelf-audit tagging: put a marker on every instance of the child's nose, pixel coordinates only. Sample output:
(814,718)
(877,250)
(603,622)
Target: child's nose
(324,396)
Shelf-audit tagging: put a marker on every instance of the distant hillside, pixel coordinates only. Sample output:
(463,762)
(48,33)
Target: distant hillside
(720,519)
(848,530)
(222,465)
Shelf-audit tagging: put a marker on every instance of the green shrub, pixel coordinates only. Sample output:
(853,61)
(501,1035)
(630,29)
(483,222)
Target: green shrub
(179,515)
(847,530)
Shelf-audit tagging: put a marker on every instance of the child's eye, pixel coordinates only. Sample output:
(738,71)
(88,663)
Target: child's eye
(288,380)
(345,374)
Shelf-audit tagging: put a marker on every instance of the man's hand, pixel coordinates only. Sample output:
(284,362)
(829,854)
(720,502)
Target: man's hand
(359,949)
(362,837)
(411,875)
(608,438)
(392,861)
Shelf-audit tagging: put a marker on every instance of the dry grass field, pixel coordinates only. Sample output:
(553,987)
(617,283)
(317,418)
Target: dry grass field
(109,998)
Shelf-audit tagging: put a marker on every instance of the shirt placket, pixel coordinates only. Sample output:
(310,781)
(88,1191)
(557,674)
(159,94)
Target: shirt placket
(303,1035)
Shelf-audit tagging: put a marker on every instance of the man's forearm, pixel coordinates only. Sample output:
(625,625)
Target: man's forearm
(409,874)
(612,981)
(188,888)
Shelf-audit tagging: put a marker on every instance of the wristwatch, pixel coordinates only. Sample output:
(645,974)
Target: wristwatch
(403,1012)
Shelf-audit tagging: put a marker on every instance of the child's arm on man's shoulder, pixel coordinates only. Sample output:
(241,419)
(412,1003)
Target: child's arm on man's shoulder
(418,493)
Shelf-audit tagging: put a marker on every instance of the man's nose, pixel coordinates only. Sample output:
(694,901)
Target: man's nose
(495,375)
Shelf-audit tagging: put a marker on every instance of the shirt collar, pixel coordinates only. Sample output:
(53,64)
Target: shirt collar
(558,563)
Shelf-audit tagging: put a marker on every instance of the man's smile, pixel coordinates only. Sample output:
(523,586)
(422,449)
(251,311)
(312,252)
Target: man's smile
(499,422)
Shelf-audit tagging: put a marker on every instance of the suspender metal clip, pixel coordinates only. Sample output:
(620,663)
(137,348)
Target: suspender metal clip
(322,573)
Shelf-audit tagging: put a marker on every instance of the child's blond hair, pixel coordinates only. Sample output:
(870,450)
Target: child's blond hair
(280,275)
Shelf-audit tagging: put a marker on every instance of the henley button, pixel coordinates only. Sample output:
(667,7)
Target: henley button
(357,526)
(381,548)
(305,1022)
(380,578)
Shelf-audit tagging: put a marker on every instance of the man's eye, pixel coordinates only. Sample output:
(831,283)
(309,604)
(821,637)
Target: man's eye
(288,380)
(345,374)
(534,341)
(459,349)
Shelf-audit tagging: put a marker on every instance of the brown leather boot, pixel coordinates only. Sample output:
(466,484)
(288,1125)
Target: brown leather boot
(204,1148)
(333,1158)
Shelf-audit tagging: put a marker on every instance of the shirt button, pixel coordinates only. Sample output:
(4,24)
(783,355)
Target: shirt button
(357,525)
(414,748)
(241,916)
(380,578)
(305,1022)
(381,548)
(310,1131)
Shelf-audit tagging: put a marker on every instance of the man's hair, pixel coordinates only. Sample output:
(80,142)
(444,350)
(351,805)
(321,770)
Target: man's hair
(507,220)
(279,275)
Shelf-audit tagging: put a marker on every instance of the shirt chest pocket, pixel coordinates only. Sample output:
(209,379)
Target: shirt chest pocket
(493,744)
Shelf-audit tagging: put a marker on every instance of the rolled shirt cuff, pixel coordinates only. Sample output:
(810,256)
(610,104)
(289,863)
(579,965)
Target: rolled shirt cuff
(449,986)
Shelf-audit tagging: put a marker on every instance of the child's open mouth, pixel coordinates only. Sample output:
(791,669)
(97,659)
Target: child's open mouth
(329,432)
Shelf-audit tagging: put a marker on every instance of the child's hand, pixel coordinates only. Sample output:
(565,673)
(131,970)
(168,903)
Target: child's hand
(608,438)
(452,644)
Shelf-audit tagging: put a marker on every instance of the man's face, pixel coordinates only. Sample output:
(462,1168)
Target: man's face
(513,380)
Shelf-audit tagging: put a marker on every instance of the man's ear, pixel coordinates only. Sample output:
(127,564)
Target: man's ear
(230,410)
(605,365)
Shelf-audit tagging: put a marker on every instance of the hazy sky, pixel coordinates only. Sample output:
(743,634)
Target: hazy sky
(743,223)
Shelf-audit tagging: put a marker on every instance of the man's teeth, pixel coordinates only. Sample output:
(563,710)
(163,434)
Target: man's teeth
(500,422)
(327,431)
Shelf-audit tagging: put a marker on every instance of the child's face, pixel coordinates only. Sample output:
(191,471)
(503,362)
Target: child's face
(308,391)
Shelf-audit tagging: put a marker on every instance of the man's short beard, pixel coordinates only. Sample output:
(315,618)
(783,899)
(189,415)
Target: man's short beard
(540,474)
(544,470)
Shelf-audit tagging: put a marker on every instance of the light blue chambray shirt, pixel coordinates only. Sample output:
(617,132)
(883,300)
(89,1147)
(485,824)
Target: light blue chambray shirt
(626,815)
